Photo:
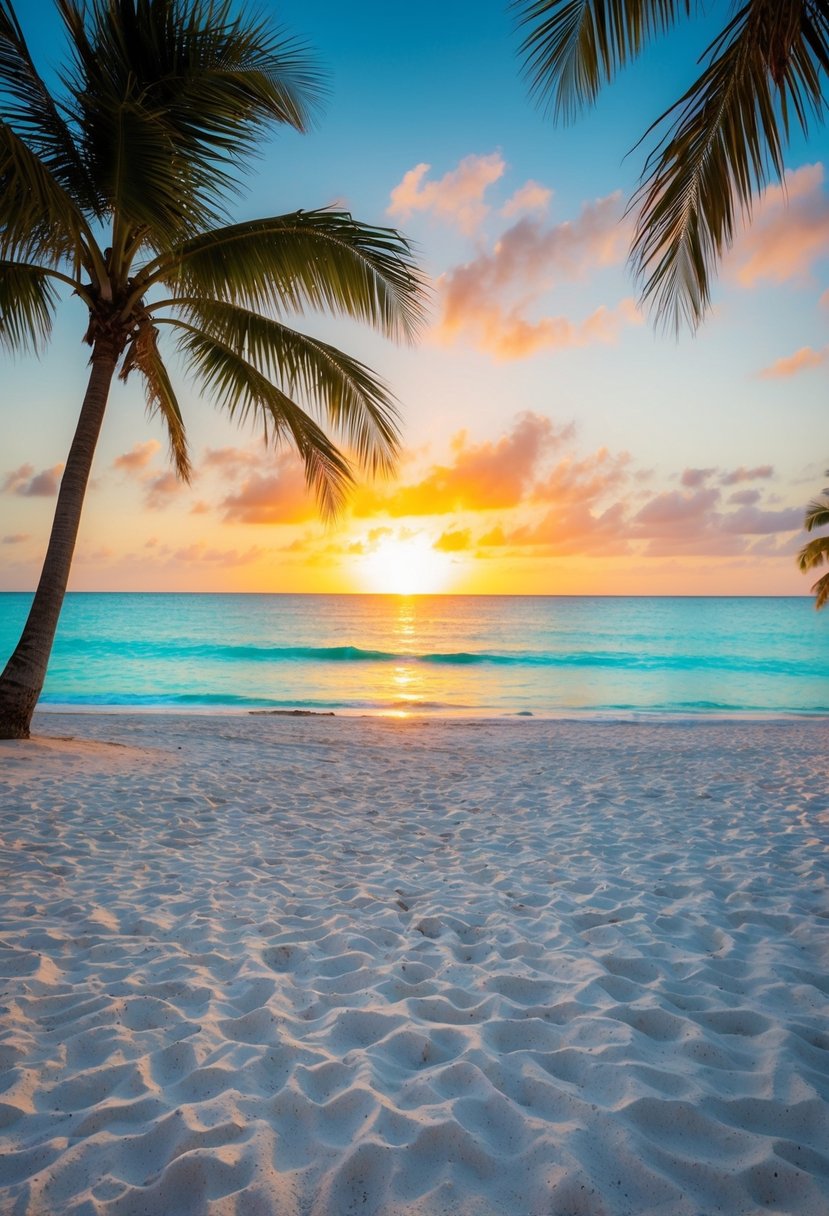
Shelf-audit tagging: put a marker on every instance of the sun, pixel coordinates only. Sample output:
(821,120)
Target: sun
(405,567)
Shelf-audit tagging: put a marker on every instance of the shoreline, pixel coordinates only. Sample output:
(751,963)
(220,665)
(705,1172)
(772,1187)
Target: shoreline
(650,716)
(295,967)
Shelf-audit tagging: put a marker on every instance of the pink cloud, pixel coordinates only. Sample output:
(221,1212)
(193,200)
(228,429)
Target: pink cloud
(530,197)
(159,490)
(761,472)
(28,484)
(491,299)
(16,538)
(788,233)
(232,461)
(792,365)
(138,458)
(276,497)
(457,197)
(691,478)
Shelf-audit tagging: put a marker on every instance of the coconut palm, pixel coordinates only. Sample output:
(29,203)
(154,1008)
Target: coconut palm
(114,186)
(816,552)
(724,138)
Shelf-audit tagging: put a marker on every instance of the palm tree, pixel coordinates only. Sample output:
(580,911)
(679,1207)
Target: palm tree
(725,136)
(114,187)
(816,552)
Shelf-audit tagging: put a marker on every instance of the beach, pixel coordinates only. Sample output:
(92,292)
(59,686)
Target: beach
(264,965)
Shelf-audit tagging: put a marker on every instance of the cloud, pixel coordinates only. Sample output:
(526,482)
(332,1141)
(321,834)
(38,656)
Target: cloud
(230,462)
(761,472)
(457,197)
(161,489)
(789,231)
(200,554)
(15,538)
(491,300)
(453,540)
(481,476)
(530,197)
(691,478)
(28,484)
(138,457)
(792,365)
(745,498)
(277,497)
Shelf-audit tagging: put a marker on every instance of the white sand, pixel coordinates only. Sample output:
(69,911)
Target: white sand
(311,967)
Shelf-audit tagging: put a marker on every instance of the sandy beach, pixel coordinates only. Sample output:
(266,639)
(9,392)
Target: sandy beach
(272,966)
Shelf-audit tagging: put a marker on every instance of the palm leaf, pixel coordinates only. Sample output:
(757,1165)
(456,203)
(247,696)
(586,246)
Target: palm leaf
(39,219)
(180,85)
(817,512)
(28,107)
(815,553)
(142,355)
(323,260)
(575,46)
(243,390)
(725,145)
(821,591)
(338,387)
(27,305)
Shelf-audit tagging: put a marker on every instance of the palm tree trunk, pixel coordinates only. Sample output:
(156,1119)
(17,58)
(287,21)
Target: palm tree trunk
(22,679)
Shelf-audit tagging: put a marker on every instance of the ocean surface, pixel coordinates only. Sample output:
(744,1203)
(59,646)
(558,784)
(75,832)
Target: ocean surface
(463,655)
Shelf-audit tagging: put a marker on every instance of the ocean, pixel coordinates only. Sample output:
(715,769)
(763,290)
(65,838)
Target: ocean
(450,655)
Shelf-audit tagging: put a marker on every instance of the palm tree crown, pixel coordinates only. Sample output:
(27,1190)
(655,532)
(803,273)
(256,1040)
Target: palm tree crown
(116,186)
(816,552)
(724,138)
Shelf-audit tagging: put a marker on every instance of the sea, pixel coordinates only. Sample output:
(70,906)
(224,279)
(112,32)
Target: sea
(470,656)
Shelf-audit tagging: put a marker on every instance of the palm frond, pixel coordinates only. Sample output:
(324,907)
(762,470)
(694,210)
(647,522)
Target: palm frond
(194,84)
(30,109)
(338,388)
(233,382)
(323,260)
(27,305)
(815,553)
(39,220)
(143,355)
(724,146)
(821,591)
(573,47)
(817,512)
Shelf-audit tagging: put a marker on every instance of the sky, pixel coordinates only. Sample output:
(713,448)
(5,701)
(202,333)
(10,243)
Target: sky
(554,441)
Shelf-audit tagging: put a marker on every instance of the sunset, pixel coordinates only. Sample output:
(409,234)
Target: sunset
(414,608)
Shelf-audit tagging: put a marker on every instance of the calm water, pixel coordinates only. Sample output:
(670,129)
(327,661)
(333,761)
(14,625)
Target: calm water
(436,654)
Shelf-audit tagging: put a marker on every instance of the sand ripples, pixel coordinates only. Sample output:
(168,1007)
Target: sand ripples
(313,968)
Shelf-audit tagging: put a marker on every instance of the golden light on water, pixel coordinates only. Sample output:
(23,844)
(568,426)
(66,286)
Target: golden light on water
(405,567)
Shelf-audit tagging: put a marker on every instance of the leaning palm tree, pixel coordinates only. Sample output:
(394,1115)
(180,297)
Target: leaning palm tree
(724,139)
(114,187)
(816,552)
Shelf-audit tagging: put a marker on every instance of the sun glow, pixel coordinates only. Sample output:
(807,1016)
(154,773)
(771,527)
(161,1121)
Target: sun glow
(405,567)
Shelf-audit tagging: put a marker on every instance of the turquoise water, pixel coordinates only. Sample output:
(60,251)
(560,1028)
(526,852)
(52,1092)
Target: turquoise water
(436,654)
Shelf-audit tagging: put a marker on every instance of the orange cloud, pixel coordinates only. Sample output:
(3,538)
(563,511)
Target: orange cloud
(792,365)
(16,538)
(789,231)
(482,476)
(453,541)
(457,197)
(490,300)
